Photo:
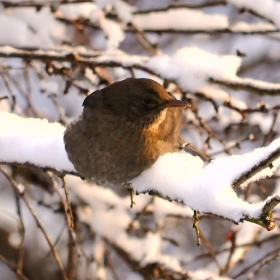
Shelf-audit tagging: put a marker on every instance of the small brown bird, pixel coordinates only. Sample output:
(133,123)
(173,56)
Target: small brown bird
(123,129)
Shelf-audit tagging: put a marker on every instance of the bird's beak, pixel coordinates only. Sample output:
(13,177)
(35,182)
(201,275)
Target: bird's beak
(177,103)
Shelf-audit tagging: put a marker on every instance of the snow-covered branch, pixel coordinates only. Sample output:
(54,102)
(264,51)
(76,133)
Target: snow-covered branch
(33,142)
(184,67)
(176,176)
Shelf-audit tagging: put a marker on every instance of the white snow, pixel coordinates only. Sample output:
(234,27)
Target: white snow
(124,11)
(15,26)
(33,140)
(184,177)
(179,176)
(113,31)
(75,11)
(243,26)
(191,67)
(180,19)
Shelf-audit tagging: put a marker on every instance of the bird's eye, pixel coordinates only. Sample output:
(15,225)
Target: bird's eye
(148,101)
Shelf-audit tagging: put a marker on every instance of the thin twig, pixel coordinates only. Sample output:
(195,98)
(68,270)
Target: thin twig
(136,217)
(25,94)
(13,268)
(22,234)
(39,224)
(8,86)
(68,209)
(73,246)
(259,261)
(210,249)
(269,136)
(230,256)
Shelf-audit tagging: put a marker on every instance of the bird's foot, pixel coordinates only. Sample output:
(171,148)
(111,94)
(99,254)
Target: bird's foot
(131,193)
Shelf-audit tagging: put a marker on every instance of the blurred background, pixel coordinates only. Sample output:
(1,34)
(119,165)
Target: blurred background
(224,55)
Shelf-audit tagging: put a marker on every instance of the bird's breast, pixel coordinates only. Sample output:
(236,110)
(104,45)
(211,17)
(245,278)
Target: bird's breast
(108,148)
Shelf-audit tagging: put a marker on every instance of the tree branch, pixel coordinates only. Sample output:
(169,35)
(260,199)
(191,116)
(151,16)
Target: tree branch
(268,162)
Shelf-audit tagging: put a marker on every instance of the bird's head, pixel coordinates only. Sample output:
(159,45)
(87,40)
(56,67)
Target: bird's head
(139,99)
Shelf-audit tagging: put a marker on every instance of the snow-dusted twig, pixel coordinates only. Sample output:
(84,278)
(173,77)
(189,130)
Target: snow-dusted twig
(262,88)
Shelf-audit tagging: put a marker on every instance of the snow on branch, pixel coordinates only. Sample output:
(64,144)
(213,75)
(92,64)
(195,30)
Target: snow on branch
(186,18)
(190,21)
(251,85)
(33,142)
(189,67)
(203,187)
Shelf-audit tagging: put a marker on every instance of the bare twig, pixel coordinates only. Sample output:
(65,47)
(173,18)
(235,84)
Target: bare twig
(228,30)
(22,234)
(259,261)
(143,39)
(70,217)
(271,134)
(13,268)
(25,94)
(10,89)
(136,217)
(39,224)
(210,249)
(231,252)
